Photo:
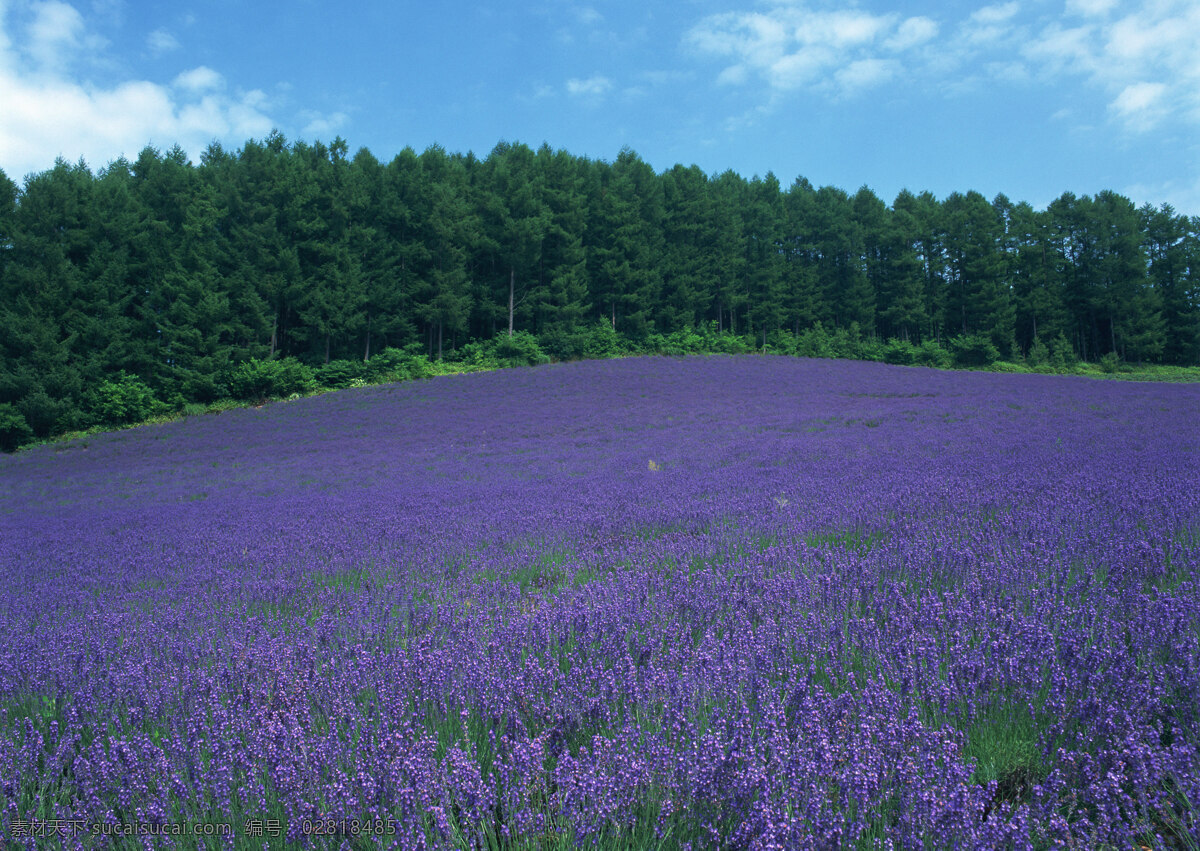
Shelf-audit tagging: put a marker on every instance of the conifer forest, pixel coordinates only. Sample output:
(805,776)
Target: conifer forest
(171,275)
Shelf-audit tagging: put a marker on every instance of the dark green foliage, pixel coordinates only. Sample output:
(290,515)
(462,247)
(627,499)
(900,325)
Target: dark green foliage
(14,431)
(338,374)
(283,267)
(397,365)
(1062,354)
(1039,354)
(598,340)
(973,350)
(123,400)
(42,412)
(521,349)
(929,353)
(263,379)
(900,352)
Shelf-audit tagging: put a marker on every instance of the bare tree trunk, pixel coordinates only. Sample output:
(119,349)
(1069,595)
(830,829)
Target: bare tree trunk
(512,280)
(274,329)
(367,353)
(614,316)
(439,339)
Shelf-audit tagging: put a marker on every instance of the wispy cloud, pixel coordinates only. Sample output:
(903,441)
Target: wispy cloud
(989,24)
(911,33)
(1143,55)
(1146,60)
(796,47)
(50,107)
(200,79)
(1090,8)
(55,36)
(161,42)
(323,126)
(1141,105)
(595,86)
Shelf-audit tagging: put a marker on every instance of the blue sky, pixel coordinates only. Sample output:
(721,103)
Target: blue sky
(1031,97)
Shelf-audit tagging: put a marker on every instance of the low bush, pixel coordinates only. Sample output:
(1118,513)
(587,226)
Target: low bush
(973,350)
(397,365)
(14,430)
(900,352)
(929,353)
(521,349)
(124,400)
(264,379)
(338,374)
(1062,354)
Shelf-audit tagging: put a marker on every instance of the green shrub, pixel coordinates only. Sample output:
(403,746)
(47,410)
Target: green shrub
(14,430)
(1039,354)
(1062,353)
(1110,363)
(782,342)
(123,400)
(685,341)
(929,353)
(973,350)
(900,352)
(601,340)
(397,364)
(521,349)
(339,373)
(41,412)
(870,348)
(202,388)
(264,379)
(816,342)
(1008,366)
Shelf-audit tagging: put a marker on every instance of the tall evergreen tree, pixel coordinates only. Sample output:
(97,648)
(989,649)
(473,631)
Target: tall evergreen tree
(978,296)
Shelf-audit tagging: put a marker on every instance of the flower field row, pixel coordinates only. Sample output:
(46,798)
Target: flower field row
(738,602)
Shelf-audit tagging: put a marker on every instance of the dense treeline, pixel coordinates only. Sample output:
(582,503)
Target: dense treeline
(172,276)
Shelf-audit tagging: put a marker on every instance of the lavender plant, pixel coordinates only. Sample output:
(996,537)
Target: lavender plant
(844,605)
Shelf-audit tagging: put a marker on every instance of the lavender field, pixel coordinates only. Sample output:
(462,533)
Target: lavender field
(714,602)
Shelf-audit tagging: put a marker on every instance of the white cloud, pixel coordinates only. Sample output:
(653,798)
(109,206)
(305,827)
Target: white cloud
(1090,8)
(989,25)
(841,29)
(794,47)
(734,75)
(161,42)
(50,109)
(994,14)
(1146,61)
(866,73)
(912,32)
(54,35)
(591,87)
(200,79)
(1140,105)
(1183,195)
(323,126)
(588,16)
